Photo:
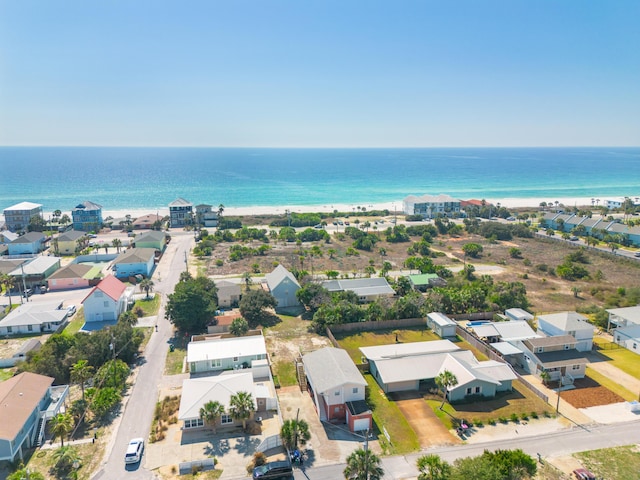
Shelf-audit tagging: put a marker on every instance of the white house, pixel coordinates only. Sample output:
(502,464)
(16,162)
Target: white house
(568,323)
(283,286)
(431,206)
(334,382)
(628,337)
(32,317)
(492,332)
(555,355)
(367,289)
(518,314)
(107,300)
(623,317)
(218,353)
(442,325)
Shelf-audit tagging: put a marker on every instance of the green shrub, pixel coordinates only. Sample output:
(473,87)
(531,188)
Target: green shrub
(514,418)
(491,422)
(503,419)
(534,414)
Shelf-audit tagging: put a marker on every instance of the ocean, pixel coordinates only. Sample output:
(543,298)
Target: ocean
(150,178)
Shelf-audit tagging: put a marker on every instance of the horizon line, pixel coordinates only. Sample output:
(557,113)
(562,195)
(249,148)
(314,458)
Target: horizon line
(322,147)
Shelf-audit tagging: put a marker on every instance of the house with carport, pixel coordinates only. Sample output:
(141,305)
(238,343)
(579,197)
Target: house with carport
(492,332)
(30,243)
(73,276)
(32,318)
(623,317)
(71,242)
(337,388)
(568,323)
(134,261)
(35,271)
(27,401)
(283,286)
(216,353)
(107,301)
(414,366)
(367,289)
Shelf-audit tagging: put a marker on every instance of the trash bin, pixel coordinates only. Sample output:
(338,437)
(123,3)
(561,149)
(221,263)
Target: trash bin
(171,348)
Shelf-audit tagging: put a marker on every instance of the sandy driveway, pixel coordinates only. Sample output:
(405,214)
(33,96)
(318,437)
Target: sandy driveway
(612,372)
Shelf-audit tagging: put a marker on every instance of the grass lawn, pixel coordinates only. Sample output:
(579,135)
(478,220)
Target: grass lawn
(6,373)
(147,331)
(149,307)
(387,414)
(286,373)
(611,385)
(90,456)
(76,323)
(621,463)
(173,366)
(624,359)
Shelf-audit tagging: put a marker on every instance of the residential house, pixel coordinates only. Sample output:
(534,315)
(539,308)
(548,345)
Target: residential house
(367,289)
(423,281)
(30,243)
(215,354)
(107,300)
(147,222)
(35,271)
(623,317)
(31,345)
(8,265)
(18,217)
(283,286)
(518,314)
(568,323)
(87,217)
(71,242)
(74,275)
(492,332)
(228,293)
(555,355)
(180,213)
(196,392)
(205,216)
(410,366)
(442,325)
(32,318)
(6,237)
(27,401)
(334,382)
(222,323)
(151,239)
(431,206)
(135,261)
(628,337)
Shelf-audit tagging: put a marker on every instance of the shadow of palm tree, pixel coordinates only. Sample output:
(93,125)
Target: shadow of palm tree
(217,448)
(247,445)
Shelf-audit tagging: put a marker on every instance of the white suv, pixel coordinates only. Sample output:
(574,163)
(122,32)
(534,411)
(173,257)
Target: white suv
(134,451)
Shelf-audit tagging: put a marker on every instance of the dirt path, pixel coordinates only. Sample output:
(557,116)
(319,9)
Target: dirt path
(614,373)
(429,429)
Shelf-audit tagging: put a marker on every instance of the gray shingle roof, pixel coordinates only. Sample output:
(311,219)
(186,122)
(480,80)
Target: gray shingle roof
(330,368)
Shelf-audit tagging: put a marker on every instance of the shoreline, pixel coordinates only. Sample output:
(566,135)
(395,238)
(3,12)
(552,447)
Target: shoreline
(340,207)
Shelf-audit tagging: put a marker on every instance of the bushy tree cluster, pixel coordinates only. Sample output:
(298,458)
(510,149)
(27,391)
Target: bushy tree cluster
(192,304)
(497,465)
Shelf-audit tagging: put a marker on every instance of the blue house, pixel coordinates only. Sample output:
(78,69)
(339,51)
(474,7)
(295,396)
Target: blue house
(87,217)
(28,244)
(136,261)
(27,402)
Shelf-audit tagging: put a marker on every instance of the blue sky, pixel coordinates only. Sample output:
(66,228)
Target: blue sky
(320,73)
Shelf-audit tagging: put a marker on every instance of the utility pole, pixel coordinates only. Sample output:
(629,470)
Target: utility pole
(24,283)
(366,455)
(112,346)
(559,386)
(186,264)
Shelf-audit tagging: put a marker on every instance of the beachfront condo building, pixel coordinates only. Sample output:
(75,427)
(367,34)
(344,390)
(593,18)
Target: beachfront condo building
(180,213)
(87,217)
(431,206)
(18,217)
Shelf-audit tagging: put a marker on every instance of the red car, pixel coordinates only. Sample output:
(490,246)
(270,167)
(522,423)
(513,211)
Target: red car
(583,474)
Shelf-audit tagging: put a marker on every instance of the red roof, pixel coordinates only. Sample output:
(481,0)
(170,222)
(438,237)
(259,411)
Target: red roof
(110,286)
(228,318)
(473,201)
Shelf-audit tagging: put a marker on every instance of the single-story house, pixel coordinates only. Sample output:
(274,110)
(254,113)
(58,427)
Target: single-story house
(228,293)
(151,239)
(367,289)
(27,401)
(442,325)
(492,332)
(518,314)
(423,281)
(107,300)
(71,241)
(74,275)
(283,286)
(406,366)
(568,323)
(225,353)
(623,317)
(35,271)
(147,221)
(196,392)
(334,381)
(8,265)
(6,237)
(28,244)
(223,322)
(32,317)
(628,337)
(555,355)
(20,355)
(135,261)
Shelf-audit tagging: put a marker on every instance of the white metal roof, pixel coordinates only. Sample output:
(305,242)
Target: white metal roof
(361,286)
(505,348)
(519,313)
(412,349)
(219,388)
(34,314)
(567,321)
(631,314)
(440,319)
(23,206)
(36,266)
(219,348)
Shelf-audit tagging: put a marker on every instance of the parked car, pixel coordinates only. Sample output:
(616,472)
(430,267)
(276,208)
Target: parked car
(27,293)
(583,474)
(573,238)
(637,254)
(318,226)
(134,451)
(273,470)
(92,235)
(71,309)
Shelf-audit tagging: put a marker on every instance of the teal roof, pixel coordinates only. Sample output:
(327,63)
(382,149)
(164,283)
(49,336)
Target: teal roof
(422,279)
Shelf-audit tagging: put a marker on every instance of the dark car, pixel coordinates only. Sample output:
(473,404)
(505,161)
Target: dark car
(272,470)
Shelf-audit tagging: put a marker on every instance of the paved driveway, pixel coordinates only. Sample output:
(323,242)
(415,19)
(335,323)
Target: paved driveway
(429,429)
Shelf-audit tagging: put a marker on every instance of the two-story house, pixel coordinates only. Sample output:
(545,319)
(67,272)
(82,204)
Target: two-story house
(337,388)
(557,356)
(107,300)
(568,323)
(283,286)
(205,216)
(30,243)
(135,261)
(18,217)
(180,213)
(70,242)
(151,239)
(87,217)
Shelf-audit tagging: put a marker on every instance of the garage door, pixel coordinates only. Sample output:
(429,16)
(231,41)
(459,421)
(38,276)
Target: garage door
(361,424)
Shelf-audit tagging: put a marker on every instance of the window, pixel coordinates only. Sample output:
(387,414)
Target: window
(635,345)
(566,347)
(478,390)
(216,363)
(469,390)
(194,423)
(226,419)
(355,390)
(540,350)
(336,393)
(575,367)
(30,328)
(9,329)
(235,359)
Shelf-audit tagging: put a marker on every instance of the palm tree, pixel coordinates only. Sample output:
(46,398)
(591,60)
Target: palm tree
(61,426)
(23,473)
(246,276)
(545,377)
(81,371)
(445,381)
(241,407)
(7,281)
(432,467)
(294,432)
(363,465)
(117,243)
(128,318)
(211,412)
(147,285)
(220,211)
(65,457)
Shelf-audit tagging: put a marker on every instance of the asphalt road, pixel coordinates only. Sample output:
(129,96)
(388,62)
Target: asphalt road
(136,419)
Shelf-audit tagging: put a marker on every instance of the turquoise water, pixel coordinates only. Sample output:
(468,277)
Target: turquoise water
(150,178)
